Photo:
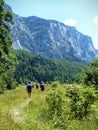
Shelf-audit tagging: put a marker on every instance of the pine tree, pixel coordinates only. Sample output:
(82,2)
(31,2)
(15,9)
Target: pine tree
(7,59)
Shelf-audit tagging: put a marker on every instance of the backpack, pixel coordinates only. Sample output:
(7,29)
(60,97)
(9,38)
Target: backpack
(29,86)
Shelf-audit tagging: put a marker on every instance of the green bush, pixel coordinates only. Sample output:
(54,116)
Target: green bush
(91,74)
(56,108)
(81,100)
(55,84)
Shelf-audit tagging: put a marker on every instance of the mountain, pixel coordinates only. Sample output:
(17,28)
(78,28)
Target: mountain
(51,38)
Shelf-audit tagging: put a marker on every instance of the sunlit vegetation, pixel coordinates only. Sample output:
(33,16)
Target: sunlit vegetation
(7,58)
(51,109)
(70,98)
(36,68)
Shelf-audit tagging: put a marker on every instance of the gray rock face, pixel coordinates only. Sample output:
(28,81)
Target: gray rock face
(51,38)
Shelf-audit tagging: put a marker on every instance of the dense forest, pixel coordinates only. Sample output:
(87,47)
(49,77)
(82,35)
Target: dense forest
(36,68)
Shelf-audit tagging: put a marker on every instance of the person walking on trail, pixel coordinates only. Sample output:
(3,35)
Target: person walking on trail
(42,86)
(37,85)
(29,89)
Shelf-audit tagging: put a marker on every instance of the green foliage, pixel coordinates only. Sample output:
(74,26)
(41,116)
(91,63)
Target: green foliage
(56,108)
(36,68)
(7,59)
(55,103)
(91,74)
(79,77)
(8,101)
(81,100)
(35,114)
(55,84)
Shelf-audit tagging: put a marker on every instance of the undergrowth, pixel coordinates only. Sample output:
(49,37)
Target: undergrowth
(47,110)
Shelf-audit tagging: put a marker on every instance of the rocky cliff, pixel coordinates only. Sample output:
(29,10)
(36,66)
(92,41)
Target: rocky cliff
(51,38)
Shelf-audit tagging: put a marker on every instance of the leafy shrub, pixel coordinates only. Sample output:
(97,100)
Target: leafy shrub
(2,85)
(55,84)
(56,107)
(91,74)
(81,100)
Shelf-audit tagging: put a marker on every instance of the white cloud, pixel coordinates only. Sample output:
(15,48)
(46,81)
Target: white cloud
(95,20)
(70,22)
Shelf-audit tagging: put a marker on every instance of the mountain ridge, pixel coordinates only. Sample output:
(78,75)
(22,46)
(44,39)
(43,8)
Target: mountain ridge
(51,38)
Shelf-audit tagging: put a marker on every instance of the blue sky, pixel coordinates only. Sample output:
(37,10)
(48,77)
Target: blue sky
(83,14)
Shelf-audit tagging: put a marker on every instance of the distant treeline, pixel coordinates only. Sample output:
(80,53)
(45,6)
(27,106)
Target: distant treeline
(36,68)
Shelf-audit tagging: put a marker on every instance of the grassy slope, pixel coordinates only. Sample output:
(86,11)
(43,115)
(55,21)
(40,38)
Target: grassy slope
(8,101)
(31,112)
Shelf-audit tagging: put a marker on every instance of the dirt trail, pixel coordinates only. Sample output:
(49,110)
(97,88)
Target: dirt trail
(16,113)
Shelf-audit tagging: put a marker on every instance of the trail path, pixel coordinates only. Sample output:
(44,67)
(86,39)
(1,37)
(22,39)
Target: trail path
(16,113)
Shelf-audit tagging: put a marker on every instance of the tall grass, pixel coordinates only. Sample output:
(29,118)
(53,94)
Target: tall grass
(34,114)
(8,101)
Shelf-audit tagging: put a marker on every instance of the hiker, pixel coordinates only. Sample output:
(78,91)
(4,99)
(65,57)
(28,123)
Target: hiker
(37,85)
(42,86)
(29,88)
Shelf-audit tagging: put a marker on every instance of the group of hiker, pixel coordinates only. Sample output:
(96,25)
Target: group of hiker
(37,85)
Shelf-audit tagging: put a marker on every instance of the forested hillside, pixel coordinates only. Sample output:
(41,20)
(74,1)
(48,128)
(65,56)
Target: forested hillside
(36,68)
